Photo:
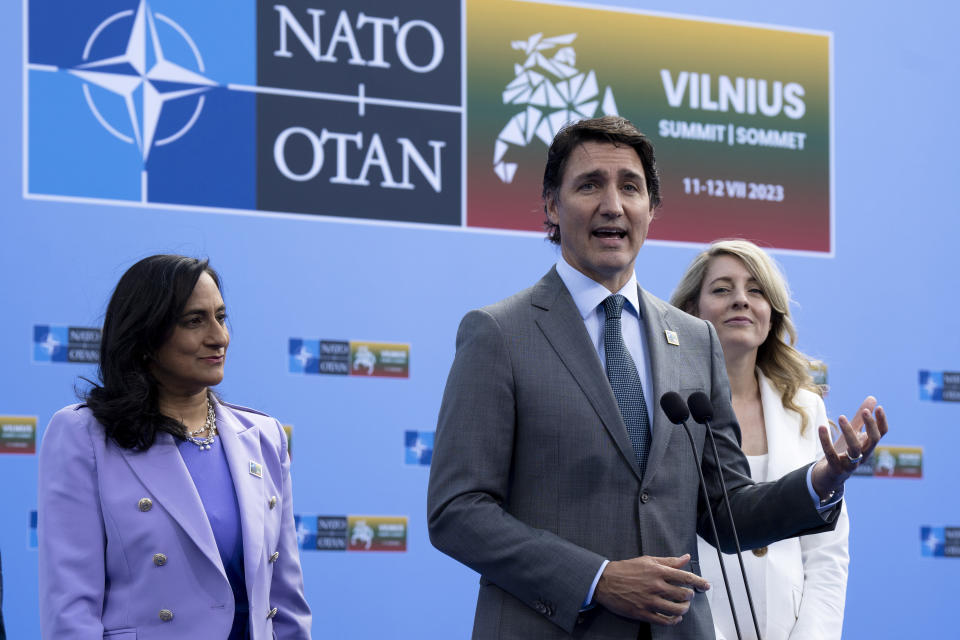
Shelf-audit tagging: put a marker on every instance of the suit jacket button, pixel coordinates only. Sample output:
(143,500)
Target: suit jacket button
(273,558)
(145,504)
(159,559)
(644,497)
(273,501)
(272,613)
(166,615)
(760,552)
(540,607)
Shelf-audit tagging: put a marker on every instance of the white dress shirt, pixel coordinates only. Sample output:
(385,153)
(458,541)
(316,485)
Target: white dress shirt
(589,295)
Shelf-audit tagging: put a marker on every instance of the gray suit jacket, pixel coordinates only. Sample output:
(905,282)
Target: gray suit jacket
(534,482)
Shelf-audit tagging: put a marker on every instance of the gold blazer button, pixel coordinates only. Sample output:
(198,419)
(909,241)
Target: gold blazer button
(273,558)
(166,615)
(760,552)
(145,504)
(273,501)
(159,559)
(272,613)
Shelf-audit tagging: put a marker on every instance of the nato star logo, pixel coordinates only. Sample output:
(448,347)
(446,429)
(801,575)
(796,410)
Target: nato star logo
(143,78)
(50,343)
(418,447)
(931,385)
(127,102)
(304,356)
(932,541)
(306,527)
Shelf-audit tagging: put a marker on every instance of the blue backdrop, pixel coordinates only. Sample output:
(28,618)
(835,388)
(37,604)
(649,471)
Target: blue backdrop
(879,311)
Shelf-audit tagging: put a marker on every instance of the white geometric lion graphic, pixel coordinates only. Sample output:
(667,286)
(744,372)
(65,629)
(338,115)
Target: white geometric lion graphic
(363,533)
(564,95)
(365,358)
(886,463)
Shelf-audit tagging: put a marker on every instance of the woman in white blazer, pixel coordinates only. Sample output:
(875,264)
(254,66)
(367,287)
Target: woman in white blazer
(798,585)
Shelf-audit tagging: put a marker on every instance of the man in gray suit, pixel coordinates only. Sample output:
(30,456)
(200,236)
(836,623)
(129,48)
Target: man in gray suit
(555,473)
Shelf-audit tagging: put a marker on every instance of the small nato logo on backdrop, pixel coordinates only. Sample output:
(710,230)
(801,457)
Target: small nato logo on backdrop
(349,358)
(418,447)
(940,386)
(53,343)
(304,356)
(351,533)
(49,343)
(940,542)
(306,527)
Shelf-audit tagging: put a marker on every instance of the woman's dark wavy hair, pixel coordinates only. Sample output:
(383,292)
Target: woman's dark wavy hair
(141,316)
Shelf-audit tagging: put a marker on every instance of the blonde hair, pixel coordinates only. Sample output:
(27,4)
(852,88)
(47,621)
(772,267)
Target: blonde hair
(786,367)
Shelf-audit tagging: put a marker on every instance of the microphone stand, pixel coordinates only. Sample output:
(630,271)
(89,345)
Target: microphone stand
(702,414)
(676,410)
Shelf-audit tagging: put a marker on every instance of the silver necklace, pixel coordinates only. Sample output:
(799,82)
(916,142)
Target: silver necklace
(209,427)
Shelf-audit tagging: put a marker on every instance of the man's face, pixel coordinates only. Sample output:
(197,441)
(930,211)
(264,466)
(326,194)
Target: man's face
(603,210)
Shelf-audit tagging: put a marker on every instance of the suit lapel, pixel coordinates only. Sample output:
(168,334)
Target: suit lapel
(241,444)
(163,473)
(666,376)
(563,328)
(782,430)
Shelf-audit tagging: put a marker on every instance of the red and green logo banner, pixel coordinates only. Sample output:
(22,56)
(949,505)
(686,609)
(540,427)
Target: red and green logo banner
(377,533)
(383,359)
(893,462)
(18,434)
(740,116)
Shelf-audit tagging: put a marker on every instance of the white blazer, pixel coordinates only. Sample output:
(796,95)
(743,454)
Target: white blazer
(806,577)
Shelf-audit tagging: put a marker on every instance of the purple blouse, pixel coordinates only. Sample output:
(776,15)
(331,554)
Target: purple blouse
(211,476)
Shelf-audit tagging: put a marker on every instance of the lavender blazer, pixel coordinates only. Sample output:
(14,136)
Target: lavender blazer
(127,552)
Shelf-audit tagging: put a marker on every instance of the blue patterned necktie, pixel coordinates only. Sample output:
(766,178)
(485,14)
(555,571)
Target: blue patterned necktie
(622,373)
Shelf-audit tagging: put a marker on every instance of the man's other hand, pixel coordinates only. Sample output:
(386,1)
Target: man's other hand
(655,590)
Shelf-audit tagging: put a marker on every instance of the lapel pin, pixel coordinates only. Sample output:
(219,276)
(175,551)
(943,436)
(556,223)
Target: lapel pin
(672,337)
(256,469)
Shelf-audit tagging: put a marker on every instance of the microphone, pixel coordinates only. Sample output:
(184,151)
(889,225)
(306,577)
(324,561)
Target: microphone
(702,411)
(674,406)
(677,412)
(700,407)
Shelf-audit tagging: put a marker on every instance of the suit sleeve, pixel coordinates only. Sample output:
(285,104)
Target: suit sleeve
(470,479)
(825,561)
(764,512)
(286,591)
(70,530)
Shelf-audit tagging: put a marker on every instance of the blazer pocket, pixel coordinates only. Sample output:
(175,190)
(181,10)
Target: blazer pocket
(120,634)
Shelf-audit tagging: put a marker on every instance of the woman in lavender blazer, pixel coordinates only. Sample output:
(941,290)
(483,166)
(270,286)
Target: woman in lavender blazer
(164,512)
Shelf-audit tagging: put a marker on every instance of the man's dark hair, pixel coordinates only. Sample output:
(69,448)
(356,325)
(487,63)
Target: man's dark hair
(141,317)
(612,129)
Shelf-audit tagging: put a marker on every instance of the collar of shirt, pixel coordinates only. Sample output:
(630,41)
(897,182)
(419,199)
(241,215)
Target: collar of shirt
(588,294)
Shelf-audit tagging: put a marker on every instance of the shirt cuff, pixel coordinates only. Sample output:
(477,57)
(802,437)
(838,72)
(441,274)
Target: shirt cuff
(588,603)
(821,505)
